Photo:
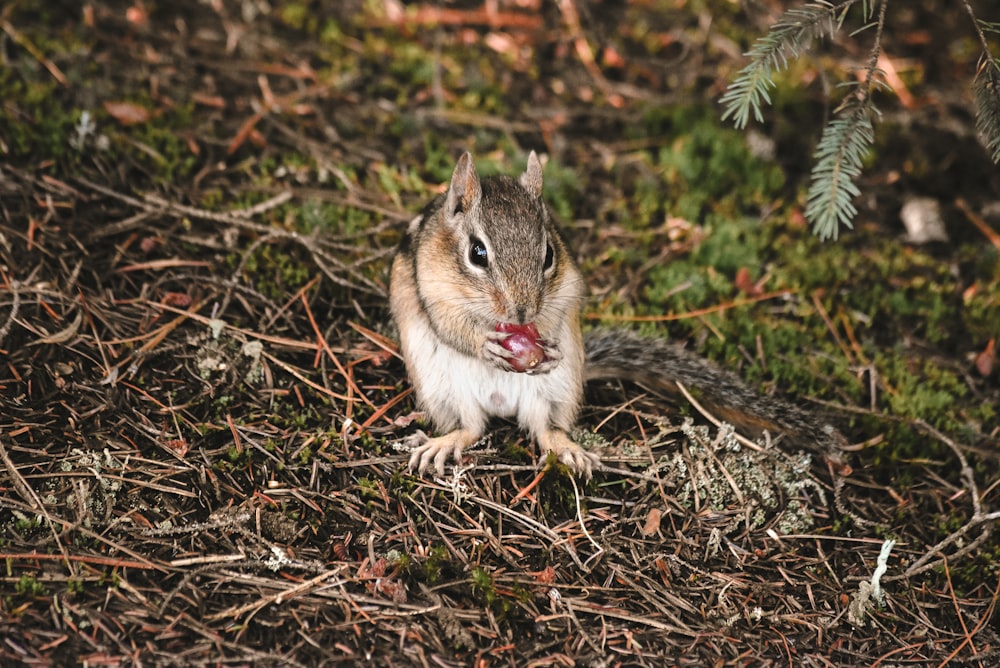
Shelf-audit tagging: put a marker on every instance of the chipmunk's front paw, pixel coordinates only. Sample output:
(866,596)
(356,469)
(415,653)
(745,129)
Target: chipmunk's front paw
(438,449)
(568,452)
(519,348)
(550,361)
(495,352)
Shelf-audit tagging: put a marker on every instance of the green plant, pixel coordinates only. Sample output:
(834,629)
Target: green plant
(29,587)
(849,135)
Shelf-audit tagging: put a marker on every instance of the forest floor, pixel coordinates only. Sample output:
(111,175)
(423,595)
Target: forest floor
(201,399)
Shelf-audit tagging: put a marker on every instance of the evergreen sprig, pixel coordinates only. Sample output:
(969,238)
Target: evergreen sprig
(839,155)
(848,137)
(787,37)
(987,88)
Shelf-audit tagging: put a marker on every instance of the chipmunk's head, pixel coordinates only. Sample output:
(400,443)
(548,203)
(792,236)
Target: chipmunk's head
(506,258)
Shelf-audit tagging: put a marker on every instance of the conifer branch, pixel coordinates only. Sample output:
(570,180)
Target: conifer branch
(789,36)
(846,139)
(839,156)
(842,149)
(987,87)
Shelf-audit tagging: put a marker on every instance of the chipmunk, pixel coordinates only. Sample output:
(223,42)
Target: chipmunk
(484,267)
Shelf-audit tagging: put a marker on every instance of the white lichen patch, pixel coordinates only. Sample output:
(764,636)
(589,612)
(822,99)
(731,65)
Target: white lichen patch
(92,497)
(737,487)
(253,351)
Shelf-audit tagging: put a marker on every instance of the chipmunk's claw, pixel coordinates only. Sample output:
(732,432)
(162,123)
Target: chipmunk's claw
(495,353)
(551,360)
(568,452)
(437,450)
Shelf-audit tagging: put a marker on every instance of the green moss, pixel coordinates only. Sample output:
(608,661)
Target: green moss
(437,562)
(46,117)
(967,574)
(557,492)
(75,586)
(162,141)
(732,245)
(276,272)
(394,181)
(703,168)
(518,451)
(369,488)
(483,586)
(334,218)
(402,483)
(298,15)
(563,190)
(438,161)
(25,524)
(484,589)
(28,587)
(37,130)
(237,456)
(921,389)
(111,579)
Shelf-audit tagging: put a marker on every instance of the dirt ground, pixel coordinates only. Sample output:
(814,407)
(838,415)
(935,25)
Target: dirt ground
(200,393)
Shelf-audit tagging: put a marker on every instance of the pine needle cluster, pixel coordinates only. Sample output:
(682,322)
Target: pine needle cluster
(789,36)
(839,154)
(987,87)
(849,135)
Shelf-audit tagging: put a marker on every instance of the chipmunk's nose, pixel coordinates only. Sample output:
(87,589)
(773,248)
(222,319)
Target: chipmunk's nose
(521,314)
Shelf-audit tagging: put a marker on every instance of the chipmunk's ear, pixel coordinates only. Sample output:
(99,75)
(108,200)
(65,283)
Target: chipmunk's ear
(464,191)
(532,177)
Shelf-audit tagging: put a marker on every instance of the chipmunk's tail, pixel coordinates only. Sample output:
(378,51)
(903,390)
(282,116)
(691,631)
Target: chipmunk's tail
(660,366)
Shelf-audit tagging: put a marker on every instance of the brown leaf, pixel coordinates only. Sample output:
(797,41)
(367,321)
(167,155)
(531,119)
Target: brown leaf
(176,299)
(127,113)
(546,576)
(612,58)
(137,15)
(745,283)
(179,446)
(985,361)
(652,524)
(208,100)
(408,419)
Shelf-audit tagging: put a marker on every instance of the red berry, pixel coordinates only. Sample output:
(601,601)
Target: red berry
(524,343)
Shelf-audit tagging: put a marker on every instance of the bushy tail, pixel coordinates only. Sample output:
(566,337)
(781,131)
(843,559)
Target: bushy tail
(659,365)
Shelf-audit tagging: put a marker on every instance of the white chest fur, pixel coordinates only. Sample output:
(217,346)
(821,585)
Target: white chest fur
(457,389)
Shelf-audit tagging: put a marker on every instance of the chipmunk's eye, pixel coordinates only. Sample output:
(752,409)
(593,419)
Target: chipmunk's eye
(548,257)
(477,253)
